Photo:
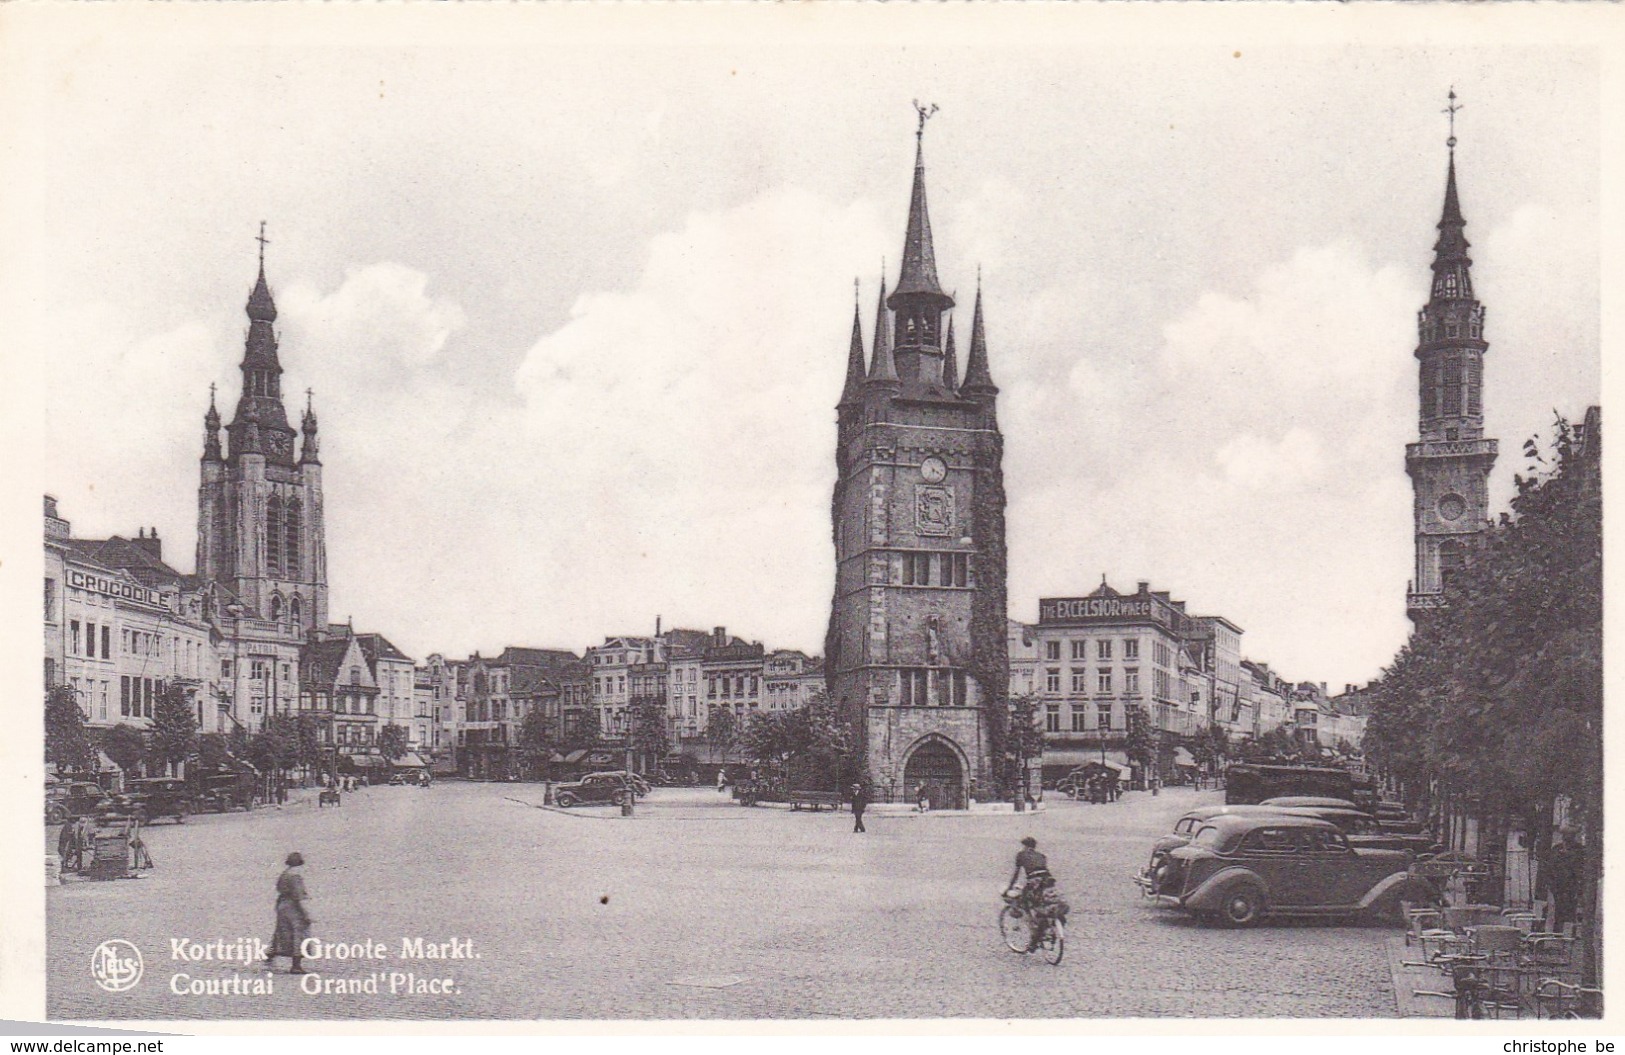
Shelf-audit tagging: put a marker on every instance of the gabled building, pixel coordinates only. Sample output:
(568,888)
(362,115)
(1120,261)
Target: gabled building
(393,672)
(338,689)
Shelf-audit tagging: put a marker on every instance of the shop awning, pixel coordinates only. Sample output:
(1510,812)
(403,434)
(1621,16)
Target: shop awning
(1082,756)
(411,760)
(1184,758)
(366,761)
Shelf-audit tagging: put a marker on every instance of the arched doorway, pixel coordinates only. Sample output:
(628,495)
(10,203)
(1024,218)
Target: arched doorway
(934,768)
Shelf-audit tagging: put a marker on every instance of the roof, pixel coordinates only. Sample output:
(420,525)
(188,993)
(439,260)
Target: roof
(377,646)
(122,554)
(515,655)
(322,660)
(919,271)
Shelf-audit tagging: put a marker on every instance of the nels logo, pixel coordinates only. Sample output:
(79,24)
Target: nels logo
(116,965)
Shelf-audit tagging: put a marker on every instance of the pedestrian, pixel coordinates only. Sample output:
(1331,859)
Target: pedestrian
(722,780)
(68,846)
(860,802)
(292,918)
(1563,878)
(139,857)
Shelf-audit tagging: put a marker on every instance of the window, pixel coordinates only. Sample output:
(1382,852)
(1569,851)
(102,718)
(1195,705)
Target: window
(107,641)
(124,696)
(913,683)
(1052,650)
(1052,717)
(1080,650)
(1269,841)
(1103,681)
(1052,680)
(355,675)
(73,637)
(276,608)
(290,541)
(1131,648)
(1103,648)
(1079,717)
(916,569)
(225,669)
(102,701)
(1131,681)
(1080,680)
(955,569)
(273,536)
(1103,716)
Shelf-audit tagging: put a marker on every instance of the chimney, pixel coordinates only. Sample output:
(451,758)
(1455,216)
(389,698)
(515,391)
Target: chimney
(148,543)
(1144,586)
(657,626)
(719,635)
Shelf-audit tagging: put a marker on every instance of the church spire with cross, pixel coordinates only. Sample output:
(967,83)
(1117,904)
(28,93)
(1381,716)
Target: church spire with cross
(262,375)
(1450,465)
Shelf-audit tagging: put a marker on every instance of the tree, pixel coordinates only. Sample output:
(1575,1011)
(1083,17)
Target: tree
(1138,744)
(174,732)
(536,739)
(1211,748)
(649,736)
(126,746)
(722,728)
(67,743)
(308,734)
(767,738)
(213,752)
(392,742)
(587,733)
(276,746)
(1025,740)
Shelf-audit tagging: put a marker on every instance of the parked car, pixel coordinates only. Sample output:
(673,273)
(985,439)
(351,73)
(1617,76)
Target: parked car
(1186,828)
(1252,783)
(1367,832)
(593,789)
(73,799)
(639,785)
(1239,868)
(152,797)
(1313,802)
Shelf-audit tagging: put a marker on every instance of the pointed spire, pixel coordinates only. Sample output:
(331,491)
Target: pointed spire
(211,431)
(310,452)
(1452,278)
(919,272)
(882,367)
(260,306)
(977,377)
(950,360)
(852,392)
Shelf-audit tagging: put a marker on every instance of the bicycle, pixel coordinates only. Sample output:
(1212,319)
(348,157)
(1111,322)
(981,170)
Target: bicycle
(1573,1001)
(1017,924)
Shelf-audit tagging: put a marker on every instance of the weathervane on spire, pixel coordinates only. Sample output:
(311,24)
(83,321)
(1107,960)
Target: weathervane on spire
(263,241)
(925,113)
(1451,112)
(211,394)
(310,396)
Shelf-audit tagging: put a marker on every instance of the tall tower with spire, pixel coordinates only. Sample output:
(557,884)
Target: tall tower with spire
(260,528)
(917,654)
(1450,466)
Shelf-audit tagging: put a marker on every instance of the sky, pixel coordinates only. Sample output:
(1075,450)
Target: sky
(575,308)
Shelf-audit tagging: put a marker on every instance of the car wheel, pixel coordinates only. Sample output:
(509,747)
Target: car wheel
(565,800)
(1387,911)
(1242,906)
(55,813)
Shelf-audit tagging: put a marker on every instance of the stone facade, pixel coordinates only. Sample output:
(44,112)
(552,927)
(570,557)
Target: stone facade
(916,649)
(1451,463)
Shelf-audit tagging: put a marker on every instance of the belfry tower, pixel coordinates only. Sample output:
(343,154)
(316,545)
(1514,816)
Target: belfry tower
(260,529)
(1450,466)
(917,654)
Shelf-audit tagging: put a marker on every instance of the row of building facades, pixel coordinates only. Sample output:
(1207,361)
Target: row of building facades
(121,625)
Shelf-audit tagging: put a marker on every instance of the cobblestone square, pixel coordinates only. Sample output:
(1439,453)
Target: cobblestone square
(694,908)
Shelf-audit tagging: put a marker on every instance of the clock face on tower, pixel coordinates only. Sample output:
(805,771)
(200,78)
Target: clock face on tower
(280,444)
(933,471)
(1451,507)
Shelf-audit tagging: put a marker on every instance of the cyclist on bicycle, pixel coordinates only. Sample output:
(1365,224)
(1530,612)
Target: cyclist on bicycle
(1038,880)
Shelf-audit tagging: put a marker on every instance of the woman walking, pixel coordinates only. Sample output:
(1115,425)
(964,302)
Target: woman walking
(292,919)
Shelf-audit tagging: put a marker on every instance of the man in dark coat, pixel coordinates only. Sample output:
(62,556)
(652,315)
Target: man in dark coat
(292,919)
(860,802)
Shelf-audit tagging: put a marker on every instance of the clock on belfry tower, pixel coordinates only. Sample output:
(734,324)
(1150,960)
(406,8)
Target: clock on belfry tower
(933,471)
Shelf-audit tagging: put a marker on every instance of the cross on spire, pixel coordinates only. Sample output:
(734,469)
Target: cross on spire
(211,393)
(1450,111)
(263,241)
(925,113)
(310,396)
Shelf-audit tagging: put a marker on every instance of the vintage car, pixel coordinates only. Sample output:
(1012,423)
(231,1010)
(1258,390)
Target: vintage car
(592,789)
(1240,868)
(152,797)
(77,798)
(1366,832)
(1185,828)
(1313,802)
(639,785)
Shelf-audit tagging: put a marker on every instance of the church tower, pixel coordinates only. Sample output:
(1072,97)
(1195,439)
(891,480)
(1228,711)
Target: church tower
(1449,468)
(260,529)
(917,655)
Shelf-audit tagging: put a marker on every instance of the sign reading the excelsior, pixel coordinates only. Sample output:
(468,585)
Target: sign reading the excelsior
(1096,609)
(120,588)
